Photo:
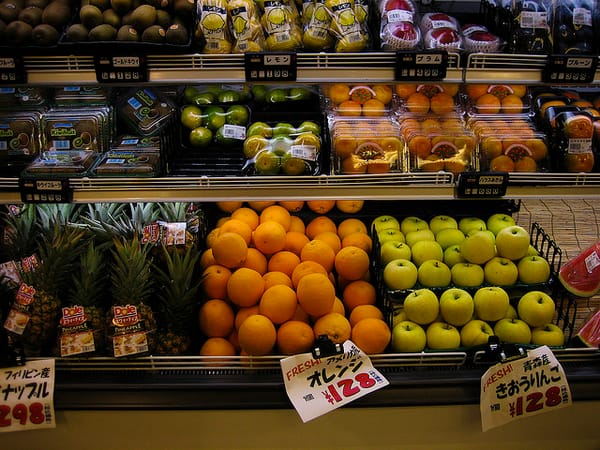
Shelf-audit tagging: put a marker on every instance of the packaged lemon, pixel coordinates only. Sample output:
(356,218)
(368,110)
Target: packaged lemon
(212,26)
(346,27)
(281,23)
(245,26)
(316,29)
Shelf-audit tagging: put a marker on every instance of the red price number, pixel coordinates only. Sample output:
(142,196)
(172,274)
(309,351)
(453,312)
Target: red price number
(349,387)
(21,413)
(535,401)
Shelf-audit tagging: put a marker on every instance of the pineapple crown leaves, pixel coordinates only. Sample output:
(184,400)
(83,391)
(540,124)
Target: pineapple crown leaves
(89,282)
(62,214)
(131,275)
(143,214)
(20,232)
(107,221)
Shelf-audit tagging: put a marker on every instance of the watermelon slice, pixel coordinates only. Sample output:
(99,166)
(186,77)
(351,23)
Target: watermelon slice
(581,275)
(589,333)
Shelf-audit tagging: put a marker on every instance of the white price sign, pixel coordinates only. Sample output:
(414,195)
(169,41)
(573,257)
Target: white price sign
(27,396)
(522,388)
(318,386)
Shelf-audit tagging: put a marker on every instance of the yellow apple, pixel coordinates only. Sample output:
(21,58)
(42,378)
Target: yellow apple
(422,306)
(408,337)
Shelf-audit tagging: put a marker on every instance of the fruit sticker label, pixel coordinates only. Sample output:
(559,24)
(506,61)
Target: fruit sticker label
(129,332)
(318,386)
(522,388)
(27,401)
(75,335)
(18,316)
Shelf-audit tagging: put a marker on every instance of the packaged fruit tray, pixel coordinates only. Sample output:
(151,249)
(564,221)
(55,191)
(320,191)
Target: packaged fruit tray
(371,100)
(483,99)
(428,98)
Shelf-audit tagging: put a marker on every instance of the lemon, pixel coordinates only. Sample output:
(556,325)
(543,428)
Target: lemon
(213,22)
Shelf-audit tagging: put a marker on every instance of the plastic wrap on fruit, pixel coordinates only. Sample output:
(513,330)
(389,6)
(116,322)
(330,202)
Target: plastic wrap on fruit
(478,39)
(348,31)
(530,31)
(317,22)
(429,21)
(213,26)
(572,26)
(245,26)
(281,24)
(398,26)
(443,38)
(581,275)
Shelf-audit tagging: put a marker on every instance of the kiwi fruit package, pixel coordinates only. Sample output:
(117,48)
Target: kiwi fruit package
(81,96)
(20,139)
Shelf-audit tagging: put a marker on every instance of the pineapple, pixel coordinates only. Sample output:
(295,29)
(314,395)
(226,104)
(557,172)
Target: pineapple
(82,325)
(57,254)
(131,325)
(178,293)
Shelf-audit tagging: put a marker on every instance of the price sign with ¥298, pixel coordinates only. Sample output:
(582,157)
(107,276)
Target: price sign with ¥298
(27,396)
(522,388)
(318,386)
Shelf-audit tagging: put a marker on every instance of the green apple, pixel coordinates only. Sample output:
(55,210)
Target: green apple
(424,250)
(536,308)
(422,306)
(449,236)
(442,336)
(491,303)
(399,316)
(465,274)
(191,116)
(511,313)
(500,271)
(419,235)
(400,274)
(413,223)
(408,337)
(456,306)
(394,249)
(478,247)
(442,222)
(533,269)
(434,273)
(532,251)
(469,223)
(549,334)
(512,242)
(513,331)
(452,255)
(385,222)
(475,332)
(390,234)
(498,221)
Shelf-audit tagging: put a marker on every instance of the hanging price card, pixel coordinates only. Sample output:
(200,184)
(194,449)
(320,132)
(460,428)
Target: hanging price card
(570,69)
(12,70)
(27,396)
(523,387)
(428,65)
(482,184)
(318,386)
(121,68)
(270,66)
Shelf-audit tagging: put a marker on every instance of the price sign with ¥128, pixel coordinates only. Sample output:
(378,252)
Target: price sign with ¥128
(27,396)
(318,386)
(522,388)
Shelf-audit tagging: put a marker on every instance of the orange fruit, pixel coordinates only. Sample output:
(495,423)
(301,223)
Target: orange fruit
(331,239)
(278,214)
(247,215)
(295,336)
(360,240)
(275,277)
(259,205)
(256,260)
(320,206)
(450,88)
(207,258)
(419,146)
(278,303)
(354,164)
(319,252)
(301,315)
(221,221)
(243,313)
(512,104)
(212,236)
(351,225)
(539,149)
(519,89)
(216,318)
(228,206)
(362,312)
(349,206)
(320,224)
(237,226)
(257,335)
(373,108)
(214,281)
(229,249)
(338,307)
(269,237)
(306,268)
(502,163)
(358,292)
(292,205)
(383,93)
(405,90)
(316,294)
(417,103)
(488,104)
(352,262)
(283,261)
(245,287)
(338,93)
(474,91)
(349,108)
(217,346)
(333,325)
(526,164)
(371,335)
(442,103)
(297,224)
(294,241)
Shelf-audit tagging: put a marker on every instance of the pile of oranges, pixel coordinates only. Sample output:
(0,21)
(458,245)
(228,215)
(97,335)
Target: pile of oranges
(272,284)
(359,100)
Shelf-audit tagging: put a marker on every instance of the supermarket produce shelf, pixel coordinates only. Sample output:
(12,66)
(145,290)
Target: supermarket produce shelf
(367,67)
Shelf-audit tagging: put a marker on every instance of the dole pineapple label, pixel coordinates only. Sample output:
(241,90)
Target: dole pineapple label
(76,337)
(129,331)
(18,316)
